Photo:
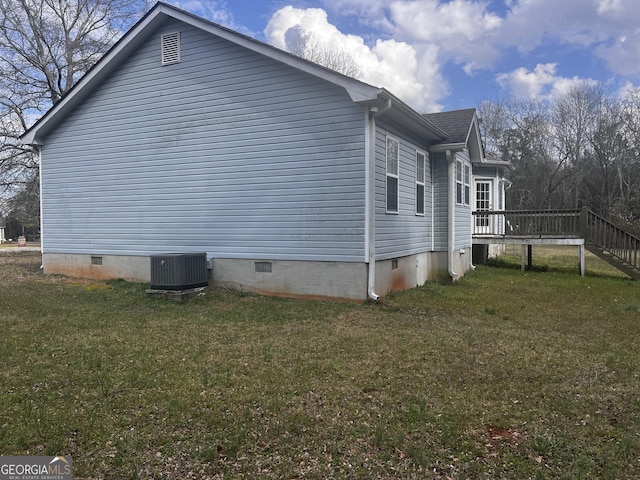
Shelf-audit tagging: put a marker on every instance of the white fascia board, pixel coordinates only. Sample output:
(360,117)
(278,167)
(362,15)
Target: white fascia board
(443,147)
(408,117)
(95,75)
(357,90)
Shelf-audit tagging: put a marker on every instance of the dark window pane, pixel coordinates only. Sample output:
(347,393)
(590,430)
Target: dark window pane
(392,194)
(419,198)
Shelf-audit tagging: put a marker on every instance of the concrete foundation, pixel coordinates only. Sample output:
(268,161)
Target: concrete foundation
(401,273)
(131,268)
(319,280)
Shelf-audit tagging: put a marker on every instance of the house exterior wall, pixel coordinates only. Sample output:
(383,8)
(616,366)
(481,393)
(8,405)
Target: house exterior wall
(461,261)
(227,152)
(235,154)
(403,233)
(463,212)
(441,196)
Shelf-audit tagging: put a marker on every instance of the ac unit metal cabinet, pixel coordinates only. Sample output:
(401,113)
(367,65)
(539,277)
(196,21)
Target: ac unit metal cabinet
(179,271)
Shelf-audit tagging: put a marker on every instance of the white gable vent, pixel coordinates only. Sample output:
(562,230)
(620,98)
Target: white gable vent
(171,48)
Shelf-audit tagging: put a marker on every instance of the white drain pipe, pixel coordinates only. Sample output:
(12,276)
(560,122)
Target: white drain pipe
(451,210)
(370,200)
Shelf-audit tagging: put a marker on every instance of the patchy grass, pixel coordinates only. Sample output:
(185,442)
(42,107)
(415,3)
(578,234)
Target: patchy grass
(502,375)
(557,258)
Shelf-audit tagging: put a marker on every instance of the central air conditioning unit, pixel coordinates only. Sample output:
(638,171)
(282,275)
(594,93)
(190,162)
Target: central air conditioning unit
(179,271)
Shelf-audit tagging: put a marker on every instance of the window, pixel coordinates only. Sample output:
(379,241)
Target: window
(420,161)
(393,158)
(467,184)
(459,191)
(463,183)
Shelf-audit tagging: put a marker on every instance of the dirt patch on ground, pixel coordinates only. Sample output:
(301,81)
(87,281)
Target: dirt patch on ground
(17,267)
(25,266)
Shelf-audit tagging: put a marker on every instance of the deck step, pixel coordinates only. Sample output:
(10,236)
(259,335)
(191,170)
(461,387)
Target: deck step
(614,261)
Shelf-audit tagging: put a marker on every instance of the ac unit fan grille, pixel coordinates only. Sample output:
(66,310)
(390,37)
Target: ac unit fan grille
(179,271)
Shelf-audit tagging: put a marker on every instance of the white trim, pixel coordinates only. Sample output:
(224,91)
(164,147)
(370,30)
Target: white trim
(170,48)
(368,181)
(418,182)
(433,202)
(459,176)
(357,90)
(392,175)
(466,180)
(41,202)
(370,202)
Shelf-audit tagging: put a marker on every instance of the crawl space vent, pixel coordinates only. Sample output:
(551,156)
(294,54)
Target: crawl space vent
(171,48)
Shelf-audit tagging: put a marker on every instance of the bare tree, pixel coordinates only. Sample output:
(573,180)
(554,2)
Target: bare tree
(574,117)
(579,149)
(520,131)
(311,47)
(45,47)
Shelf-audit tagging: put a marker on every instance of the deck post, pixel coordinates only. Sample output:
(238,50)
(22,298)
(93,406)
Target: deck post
(582,267)
(584,222)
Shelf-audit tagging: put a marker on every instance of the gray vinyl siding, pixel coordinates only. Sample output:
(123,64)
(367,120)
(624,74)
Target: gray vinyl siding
(404,233)
(441,194)
(463,213)
(227,152)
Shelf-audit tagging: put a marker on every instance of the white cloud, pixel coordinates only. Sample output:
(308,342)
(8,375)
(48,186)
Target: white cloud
(476,33)
(463,29)
(541,82)
(622,56)
(214,10)
(626,89)
(473,35)
(392,64)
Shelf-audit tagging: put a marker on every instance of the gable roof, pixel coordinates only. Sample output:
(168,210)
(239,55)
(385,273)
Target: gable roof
(457,123)
(360,92)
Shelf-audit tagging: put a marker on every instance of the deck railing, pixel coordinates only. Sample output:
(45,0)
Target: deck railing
(582,223)
(527,223)
(611,238)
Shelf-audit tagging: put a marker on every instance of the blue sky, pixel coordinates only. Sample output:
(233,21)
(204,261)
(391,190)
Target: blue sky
(443,55)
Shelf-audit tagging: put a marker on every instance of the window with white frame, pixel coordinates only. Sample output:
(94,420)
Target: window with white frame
(463,183)
(467,184)
(393,160)
(420,165)
(459,184)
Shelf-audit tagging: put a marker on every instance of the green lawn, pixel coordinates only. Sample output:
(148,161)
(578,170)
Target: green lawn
(503,375)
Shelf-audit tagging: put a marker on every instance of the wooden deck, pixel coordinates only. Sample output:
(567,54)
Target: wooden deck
(581,228)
